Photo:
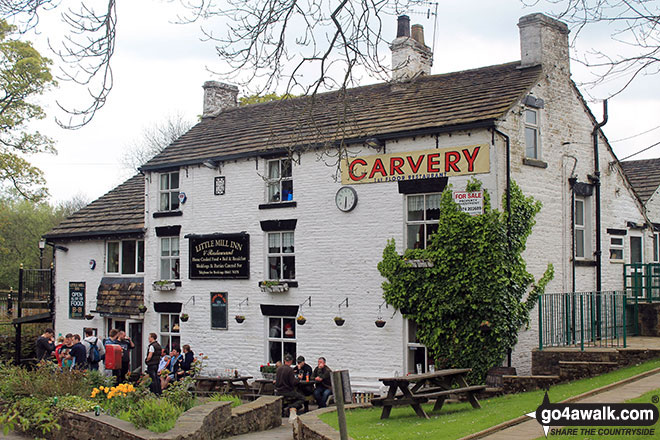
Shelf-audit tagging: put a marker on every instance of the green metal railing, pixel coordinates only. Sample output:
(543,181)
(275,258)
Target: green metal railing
(584,319)
(642,281)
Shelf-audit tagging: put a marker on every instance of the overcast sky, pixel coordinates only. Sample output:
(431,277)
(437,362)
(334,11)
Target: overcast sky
(159,68)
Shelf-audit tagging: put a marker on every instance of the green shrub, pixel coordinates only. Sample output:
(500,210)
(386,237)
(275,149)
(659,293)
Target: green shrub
(217,397)
(31,415)
(179,393)
(75,403)
(157,415)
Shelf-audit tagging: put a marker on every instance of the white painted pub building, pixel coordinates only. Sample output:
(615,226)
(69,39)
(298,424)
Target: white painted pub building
(227,221)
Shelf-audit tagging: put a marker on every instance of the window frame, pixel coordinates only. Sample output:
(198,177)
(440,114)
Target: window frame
(410,346)
(585,227)
(425,222)
(618,247)
(281,339)
(656,249)
(278,181)
(169,257)
(281,255)
(139,259)
(169,191)
(166,336)
(536,127)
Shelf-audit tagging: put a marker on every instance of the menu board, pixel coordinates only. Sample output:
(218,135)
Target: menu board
(76,300)
(219,310)
(220,256)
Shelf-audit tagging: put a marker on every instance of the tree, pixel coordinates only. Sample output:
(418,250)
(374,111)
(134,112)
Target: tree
(470,306)
(154,140)
(24,73)
(633,23)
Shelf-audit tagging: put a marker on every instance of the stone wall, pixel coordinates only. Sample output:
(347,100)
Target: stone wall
(310,427)
(546,362)
(212,420)
(649,319)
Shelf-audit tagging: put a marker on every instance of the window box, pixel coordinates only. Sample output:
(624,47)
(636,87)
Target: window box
(164,285)
(273,286)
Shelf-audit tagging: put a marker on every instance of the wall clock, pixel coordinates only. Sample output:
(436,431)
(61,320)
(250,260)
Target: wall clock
(346,198)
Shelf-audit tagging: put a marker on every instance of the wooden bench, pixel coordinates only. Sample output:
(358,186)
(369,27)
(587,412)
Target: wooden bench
(441,395)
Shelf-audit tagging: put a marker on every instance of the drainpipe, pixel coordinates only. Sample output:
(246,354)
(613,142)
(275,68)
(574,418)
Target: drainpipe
(508,185)
(596,180)
(598,253)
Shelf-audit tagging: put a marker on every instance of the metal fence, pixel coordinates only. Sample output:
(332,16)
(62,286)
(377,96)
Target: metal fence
(583,319)
(642,281)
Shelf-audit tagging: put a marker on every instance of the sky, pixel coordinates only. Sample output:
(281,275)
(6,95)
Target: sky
(159,68)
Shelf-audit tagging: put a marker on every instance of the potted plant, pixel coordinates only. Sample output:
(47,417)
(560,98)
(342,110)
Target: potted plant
(380,323)
(164,285)
(268,371)
(485,326)
(273,286)
(89,317)
(184,317)
(142,308)
(239,318)
(301,320)
(339,321)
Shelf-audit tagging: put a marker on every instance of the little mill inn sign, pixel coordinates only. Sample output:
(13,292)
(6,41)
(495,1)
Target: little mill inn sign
(220,256)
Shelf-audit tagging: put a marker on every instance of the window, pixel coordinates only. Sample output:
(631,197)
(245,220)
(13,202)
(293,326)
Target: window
(169,331)
(417,355)
(127,255)
(422,214)
(616,249)
(581,218)
(281,258)
(279,181)
(169,258)
(655,247)
(169,191)
(636,255)
(281,338)
(532,139)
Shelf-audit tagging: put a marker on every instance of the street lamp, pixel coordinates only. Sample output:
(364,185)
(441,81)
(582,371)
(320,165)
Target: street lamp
(42,245)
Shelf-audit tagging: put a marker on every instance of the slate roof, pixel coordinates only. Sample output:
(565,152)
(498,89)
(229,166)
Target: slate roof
(426,103)
(120,296)
(643,175)
(119,212)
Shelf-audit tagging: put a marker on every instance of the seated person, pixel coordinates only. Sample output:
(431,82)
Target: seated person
(285,386)
(165,358)
(173,366)
(187,361)
(322,377)
(302,370)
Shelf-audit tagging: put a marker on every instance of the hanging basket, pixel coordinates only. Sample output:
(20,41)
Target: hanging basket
(239,318)
(301,320)
(142,308)
(339,321)
(380,323)
(89,317)
(184,317)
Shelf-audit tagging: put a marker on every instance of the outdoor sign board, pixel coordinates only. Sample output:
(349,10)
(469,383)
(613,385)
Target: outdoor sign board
(425,164)
(219,310)
(220,256)
(470,202)
(76,300)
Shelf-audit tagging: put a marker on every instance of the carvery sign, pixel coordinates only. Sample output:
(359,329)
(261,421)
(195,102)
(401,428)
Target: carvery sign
(439,162)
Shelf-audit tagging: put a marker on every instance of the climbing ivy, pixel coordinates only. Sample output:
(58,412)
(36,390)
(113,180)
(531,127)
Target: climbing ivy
(471,304)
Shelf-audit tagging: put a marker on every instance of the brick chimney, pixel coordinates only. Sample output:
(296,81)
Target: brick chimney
(218,97)
(410,56)
(544,40)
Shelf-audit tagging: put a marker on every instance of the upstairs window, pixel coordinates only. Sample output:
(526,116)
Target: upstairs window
(616,249)
(281,256)
(655,247)
(169,191)
(169,258)
(279,183)
(422,214)
(532,138)
(581,228)
(125,257)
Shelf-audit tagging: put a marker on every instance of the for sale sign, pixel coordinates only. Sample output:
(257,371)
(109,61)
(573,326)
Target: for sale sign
(470,202)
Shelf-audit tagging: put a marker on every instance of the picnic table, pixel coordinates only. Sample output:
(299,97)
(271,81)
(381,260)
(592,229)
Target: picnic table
(222,384)
(420,388)
(265,387)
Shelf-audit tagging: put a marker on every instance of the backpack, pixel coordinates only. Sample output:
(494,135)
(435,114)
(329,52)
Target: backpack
(94,355)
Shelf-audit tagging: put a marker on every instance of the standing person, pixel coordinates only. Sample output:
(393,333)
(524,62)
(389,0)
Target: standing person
(45,344)
(67,363)
(58,348)
(126,345)
(323,377)
(93,356)
(152,360)
(285,385)
(78,354)
(112,340)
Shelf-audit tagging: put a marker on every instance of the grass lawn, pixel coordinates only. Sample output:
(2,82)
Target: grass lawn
(458,420)
(646,398)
